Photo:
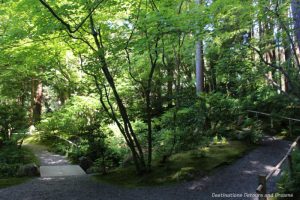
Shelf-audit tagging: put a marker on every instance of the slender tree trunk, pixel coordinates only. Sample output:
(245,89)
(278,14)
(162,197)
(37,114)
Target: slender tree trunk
(32,102)
(199,68)
(296,16)
(149,125)
(158,104)
(127,130)
(170,86)
(124,125)
(287,58)
(199,62)
(37,112)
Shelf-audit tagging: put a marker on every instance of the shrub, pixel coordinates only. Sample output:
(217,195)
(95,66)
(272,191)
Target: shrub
(12,118)
(11,158)
(81,122)
(8,170)
(189,127)
(290,181)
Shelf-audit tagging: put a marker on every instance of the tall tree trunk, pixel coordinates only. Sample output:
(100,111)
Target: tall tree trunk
(170,85)
(199,62)
(158,102)
(287,59)
(149,125)
(126,130)
(199,68)
(32,102)
(37,112)
(296,16)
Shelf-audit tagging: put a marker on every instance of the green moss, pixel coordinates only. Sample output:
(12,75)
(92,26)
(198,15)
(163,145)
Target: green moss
(32,139)
(180,167)
(7,182)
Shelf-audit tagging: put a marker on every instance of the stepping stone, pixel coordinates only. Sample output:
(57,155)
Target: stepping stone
(63,170)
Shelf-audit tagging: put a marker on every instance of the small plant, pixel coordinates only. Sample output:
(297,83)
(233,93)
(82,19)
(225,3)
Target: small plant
(202,153)
(185,173)
(219,140)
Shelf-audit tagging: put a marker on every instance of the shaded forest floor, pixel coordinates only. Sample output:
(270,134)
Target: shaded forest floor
(239,177)
(181,166)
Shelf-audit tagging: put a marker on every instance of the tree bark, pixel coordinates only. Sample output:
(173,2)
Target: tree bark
(38,102)
(296,17)
(127,129)
(199,62)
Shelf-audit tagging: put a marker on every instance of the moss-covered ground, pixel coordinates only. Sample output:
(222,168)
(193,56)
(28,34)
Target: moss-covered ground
(180,167)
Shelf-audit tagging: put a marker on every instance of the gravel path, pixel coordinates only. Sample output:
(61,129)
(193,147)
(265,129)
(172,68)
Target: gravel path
(47,158)
(238,178)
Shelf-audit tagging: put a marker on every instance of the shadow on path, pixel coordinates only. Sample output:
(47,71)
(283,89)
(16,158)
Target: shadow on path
(238,178)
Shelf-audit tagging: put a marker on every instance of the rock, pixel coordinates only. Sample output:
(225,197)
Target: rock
(85,163)
(28,170)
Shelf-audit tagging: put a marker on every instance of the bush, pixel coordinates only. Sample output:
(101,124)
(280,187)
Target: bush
(81,122)
(290,181)
(249,130)
(188,127)
(8,170)
(11,158)
(12,118)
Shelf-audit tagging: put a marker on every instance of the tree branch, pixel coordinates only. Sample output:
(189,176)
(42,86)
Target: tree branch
(68,26)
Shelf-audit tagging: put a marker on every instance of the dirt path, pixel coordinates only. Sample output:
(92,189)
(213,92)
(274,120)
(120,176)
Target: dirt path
(238,178)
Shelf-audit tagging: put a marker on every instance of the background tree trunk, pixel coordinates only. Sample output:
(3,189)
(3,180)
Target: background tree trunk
(296,16)
(199,62)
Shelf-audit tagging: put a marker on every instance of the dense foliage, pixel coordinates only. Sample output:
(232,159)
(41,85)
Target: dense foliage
(290,181)
(113,81)
(12,158)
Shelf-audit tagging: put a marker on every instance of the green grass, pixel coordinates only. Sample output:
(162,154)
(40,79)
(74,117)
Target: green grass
(180,167)
(7,182)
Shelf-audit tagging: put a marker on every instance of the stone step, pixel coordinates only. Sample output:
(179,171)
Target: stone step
(62,170)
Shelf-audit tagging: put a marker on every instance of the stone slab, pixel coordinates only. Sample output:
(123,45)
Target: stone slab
(62,170)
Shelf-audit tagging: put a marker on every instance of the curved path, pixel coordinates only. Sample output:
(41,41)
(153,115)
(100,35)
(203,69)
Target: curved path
(47,158)
(238,178)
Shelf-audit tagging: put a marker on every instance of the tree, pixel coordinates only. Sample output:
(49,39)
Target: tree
(99,50)
(199,61)
(295,4)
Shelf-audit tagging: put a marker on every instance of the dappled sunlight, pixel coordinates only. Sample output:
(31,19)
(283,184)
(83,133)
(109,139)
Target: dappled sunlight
(46,179)
(199,185)
(53,162)
(168,99)
(269,168)
(52,178)
(254,162)
(250,172)
(48,158)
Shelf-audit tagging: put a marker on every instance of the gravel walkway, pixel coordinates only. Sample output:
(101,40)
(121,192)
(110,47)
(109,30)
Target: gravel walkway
(47,158)
(238,178)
